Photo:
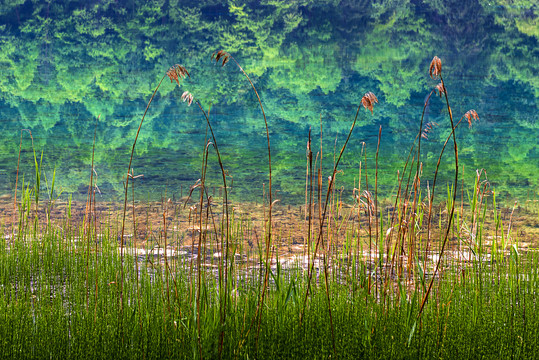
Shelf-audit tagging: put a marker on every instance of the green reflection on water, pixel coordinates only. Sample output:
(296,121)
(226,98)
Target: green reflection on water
(65,63)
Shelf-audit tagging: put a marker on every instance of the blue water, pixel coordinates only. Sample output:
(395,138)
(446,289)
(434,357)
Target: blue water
(64,64)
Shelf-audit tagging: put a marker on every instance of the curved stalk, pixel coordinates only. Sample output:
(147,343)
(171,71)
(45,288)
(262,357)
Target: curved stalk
(225,56)
(223,174)
(367,102)
(449,221)
(126,188)
(175,73)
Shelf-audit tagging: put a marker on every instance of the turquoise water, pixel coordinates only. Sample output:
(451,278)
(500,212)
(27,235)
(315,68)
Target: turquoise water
(62,65)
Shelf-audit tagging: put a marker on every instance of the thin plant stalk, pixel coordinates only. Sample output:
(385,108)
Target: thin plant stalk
(126,188)
(376,195)
(200,236)
(225,56)
(311,267)
(367,101)
(223,174)
(175,73)
(436,65)
(139,299)
(17,180)
(88,214)
(310,176)
(16,185)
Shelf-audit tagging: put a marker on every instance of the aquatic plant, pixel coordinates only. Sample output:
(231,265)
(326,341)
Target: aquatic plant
(223,276)
(45,304)
(435,71)
(174,73)
(224,57)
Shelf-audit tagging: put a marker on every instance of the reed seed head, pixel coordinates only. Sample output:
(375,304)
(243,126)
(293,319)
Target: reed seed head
(471,115)
(428,127)
(187,96)
(435,69)
(177,73)
(368,101)
(221,55)
(441,89)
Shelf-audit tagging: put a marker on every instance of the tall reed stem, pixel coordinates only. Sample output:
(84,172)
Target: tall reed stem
(225,56)
(175,73)
(223,174)
(367,101)
(17,184)
(88,214)
(449,221)
(126,188)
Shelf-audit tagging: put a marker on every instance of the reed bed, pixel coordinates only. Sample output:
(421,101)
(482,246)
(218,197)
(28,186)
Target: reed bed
(204,277)
(484,306)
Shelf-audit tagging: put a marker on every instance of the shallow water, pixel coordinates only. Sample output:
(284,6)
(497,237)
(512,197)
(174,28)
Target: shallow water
(65,64)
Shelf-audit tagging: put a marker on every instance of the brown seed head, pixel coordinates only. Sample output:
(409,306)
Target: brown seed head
(368,101)
(177,73)
(471,114)
(221,55)
(435,69)
(187,96)
(441,89)
(428,127)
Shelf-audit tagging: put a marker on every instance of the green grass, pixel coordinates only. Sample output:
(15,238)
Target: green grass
(49,309)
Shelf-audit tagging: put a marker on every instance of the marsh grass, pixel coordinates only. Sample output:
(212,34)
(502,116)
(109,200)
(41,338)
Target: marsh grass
(410,277)
(486,307)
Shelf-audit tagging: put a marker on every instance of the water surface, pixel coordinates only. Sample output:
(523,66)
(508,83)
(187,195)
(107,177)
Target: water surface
(64,64)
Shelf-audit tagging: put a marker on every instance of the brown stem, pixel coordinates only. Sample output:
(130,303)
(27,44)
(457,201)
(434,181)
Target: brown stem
(223,174)
(453,203)
(376,197)
(311,268)
(125,195)
(268,240)
(17,184)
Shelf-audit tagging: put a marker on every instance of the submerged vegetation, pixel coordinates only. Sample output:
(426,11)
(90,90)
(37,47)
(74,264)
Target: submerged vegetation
(408,276)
